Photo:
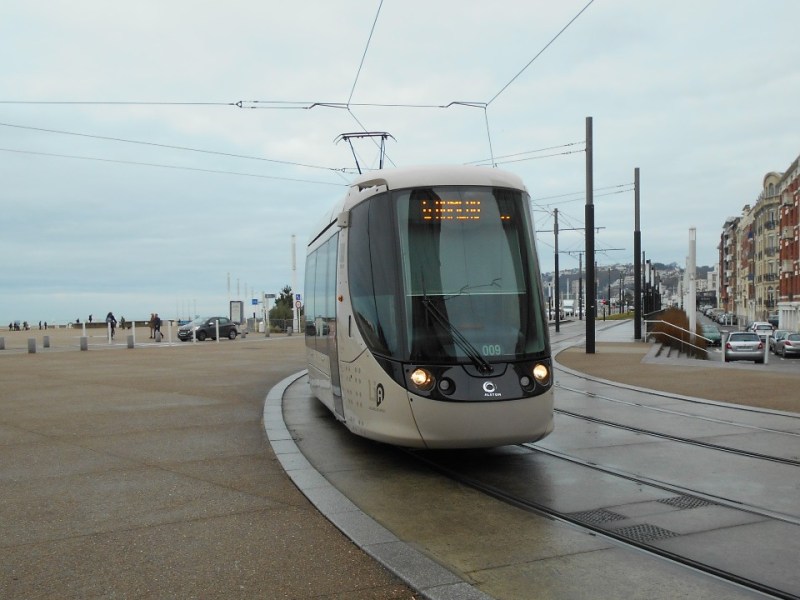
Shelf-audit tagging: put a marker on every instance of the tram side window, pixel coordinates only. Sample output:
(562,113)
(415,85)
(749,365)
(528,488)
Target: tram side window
(321,295)
(373,275)
(310,304)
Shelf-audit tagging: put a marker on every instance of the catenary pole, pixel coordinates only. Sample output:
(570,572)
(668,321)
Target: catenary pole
(637,261)
(558,281)
(591,291)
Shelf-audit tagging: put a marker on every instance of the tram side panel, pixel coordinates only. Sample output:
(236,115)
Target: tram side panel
(375,406)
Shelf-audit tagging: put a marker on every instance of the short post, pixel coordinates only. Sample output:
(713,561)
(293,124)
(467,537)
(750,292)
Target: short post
(46,341)
(2,343)
(108,328)
(83,325)
(84,343)
(766,347)
(130,341)
(216,328)
(31,345)
(133,331)
(169,332)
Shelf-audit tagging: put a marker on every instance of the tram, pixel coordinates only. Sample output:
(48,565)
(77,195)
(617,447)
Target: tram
(425,324)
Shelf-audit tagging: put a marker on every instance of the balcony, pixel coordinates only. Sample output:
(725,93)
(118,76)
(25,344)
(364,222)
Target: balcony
(770,225)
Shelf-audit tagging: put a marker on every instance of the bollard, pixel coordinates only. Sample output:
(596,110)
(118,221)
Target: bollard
(84,343)
(31,345)
(289,330)
(46,341)
(2,343)
(130,341)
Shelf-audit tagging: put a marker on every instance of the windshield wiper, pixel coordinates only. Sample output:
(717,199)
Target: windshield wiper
(472,353)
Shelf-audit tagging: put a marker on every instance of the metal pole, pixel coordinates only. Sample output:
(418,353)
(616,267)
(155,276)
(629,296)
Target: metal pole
(690,268)
(558,282)
(637,261)
(591,291)
(580,286)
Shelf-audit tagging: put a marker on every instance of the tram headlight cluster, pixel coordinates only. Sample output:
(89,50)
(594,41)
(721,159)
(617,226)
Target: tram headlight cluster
(541,373)
(423,379)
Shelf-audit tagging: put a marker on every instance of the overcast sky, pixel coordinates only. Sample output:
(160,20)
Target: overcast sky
(701,96)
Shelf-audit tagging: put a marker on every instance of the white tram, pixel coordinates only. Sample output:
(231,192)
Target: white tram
(425,323)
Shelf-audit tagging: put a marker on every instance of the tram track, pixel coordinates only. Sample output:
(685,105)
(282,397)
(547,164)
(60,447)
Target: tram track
(691,441)
(615,526)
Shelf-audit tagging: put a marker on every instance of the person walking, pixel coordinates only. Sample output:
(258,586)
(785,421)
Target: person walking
(157,327)
(112,321)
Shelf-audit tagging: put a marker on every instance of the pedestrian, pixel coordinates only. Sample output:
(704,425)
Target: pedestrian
(90,318)
(122,323)
(45,325)
(152,324)
(110,320)
(157,327)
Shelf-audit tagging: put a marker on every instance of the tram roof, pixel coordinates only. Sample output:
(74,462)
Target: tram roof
(407,177)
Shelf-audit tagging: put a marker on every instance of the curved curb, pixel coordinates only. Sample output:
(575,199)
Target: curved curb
(423,574)
(661,393)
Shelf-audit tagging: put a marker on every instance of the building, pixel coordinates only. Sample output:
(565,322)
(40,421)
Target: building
(766,217)
(788,304)
(759,254)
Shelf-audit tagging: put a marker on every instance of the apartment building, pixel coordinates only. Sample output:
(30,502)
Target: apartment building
(789,252)
(759,254)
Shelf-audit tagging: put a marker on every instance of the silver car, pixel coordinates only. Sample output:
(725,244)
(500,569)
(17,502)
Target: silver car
(744,345)
(788,345)
(776,337)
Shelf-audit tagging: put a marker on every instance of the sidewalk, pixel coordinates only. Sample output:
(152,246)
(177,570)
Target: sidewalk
(145,473)
(618,357)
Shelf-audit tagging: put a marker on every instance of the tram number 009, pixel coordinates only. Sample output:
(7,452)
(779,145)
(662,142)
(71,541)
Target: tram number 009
(491,350)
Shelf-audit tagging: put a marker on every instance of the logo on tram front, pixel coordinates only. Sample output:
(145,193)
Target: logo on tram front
(490,390)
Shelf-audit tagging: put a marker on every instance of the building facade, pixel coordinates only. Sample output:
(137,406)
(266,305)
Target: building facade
(759,254)
(789,221)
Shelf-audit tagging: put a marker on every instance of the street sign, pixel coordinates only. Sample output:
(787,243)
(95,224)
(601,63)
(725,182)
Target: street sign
(254,301)
(298,297)
(298,304)
(269,296)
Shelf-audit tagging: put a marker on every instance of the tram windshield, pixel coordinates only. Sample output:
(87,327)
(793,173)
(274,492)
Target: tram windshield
(453,276)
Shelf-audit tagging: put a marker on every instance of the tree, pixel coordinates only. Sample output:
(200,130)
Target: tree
(283,305)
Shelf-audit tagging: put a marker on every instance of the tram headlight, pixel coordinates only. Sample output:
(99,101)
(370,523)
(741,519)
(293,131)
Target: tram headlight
(541,374)
(423,379)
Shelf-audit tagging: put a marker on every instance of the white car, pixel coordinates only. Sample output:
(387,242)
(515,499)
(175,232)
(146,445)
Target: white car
(762,328)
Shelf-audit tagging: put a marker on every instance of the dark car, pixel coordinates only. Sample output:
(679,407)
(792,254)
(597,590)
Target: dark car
(206,327)
(744,345)
(712,334)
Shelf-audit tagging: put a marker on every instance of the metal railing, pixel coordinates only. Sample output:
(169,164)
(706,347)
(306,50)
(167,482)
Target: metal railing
(682,343)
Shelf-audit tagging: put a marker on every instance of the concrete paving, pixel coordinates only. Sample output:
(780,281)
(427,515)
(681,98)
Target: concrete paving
(146,473)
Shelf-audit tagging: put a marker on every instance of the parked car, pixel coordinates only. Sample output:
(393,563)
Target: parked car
(744,345)
(773,320)
(206,327)
(789,345)
(778,334)
(713,334)
(762,328)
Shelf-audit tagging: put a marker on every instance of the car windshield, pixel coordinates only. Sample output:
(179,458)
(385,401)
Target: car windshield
(744,337)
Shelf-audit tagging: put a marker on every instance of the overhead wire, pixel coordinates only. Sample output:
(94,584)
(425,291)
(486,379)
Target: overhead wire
(165,166)
(250,104)
(530,62)
(167,146)
(364,55)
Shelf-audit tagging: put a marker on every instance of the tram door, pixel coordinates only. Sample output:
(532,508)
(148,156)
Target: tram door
(333,348)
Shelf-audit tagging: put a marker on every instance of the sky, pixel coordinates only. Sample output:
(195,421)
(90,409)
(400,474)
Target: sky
(162,156)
